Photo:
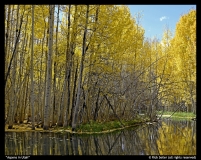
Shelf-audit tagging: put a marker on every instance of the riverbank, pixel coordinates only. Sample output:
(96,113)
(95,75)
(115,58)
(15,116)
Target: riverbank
(100,127)
(88,128)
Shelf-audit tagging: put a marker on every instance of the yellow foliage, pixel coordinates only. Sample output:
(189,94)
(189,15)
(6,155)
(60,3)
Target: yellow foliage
(172,141)
(181,56)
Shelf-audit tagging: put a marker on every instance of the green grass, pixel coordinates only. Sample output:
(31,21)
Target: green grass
(179,114)
(93,126)
(98,127)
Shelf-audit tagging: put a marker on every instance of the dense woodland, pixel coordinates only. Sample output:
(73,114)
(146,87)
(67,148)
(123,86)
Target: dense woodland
(72,64)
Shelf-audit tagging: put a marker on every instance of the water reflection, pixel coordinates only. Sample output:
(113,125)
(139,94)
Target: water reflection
(166,138)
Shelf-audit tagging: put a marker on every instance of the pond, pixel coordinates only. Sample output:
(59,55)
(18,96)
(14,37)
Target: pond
(168,137)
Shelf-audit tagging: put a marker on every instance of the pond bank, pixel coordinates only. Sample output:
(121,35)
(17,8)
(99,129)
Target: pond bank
(91,129)
(97,127)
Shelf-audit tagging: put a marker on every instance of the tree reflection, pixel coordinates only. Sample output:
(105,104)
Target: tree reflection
(181,142)
(167,138)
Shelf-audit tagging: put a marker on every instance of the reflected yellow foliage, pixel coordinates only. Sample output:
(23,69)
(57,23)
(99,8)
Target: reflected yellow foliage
(176,141)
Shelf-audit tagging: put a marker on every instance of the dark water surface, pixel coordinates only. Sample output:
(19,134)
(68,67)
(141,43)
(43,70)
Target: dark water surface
(168,137)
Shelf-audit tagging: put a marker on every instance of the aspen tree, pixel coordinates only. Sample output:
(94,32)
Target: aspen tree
(32,82)
(49,69)
(75,112)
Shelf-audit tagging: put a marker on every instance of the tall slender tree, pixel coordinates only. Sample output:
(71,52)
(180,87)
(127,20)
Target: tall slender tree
(84,48)
(13,91)
(55,103)
(49,69)
(32,82)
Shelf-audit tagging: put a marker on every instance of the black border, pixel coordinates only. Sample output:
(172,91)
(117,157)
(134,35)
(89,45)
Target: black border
(64,157)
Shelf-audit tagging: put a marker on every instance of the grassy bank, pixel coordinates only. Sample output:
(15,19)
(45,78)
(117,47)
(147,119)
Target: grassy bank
(178,115)
(91,127)
(97,127)
(94,127)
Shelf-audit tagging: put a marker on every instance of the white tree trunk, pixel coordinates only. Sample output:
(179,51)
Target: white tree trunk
(49,69)
(75,113)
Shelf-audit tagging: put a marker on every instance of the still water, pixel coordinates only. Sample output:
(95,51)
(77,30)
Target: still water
(169,137)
